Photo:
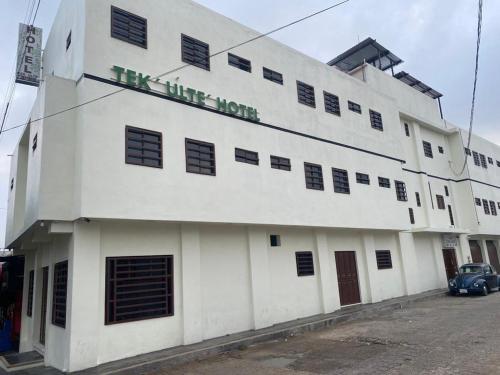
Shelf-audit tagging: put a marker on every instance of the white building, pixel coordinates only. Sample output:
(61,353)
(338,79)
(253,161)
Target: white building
(244,192)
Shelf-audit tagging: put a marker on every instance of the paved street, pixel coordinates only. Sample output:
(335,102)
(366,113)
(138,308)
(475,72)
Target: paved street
(445,335)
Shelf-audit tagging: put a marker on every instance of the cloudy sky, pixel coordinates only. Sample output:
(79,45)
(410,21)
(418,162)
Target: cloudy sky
(435,38)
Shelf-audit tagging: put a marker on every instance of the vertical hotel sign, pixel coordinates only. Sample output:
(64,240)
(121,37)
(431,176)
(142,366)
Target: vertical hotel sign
(29,55)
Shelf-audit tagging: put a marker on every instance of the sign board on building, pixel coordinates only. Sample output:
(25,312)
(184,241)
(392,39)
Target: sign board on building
(29,55)
(449,240)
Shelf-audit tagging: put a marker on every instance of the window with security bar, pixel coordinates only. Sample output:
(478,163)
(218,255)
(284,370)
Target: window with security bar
(332,104)
(200,157)
(376,120)
(143,147)
(384,259)
(305,263)
(127,27)
(239,62)
(59,294)
(305,94)
(195,52)
(246,156)
(340,181)
(314,176)
(427,149)
(384,182)
(355,107)
(272,76)
(278,162)
(362,178)
(401,194)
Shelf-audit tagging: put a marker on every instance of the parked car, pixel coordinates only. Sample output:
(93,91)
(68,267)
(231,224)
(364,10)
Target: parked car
(474,278)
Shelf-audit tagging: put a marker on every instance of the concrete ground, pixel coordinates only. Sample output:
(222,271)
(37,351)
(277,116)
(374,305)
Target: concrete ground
(444,335)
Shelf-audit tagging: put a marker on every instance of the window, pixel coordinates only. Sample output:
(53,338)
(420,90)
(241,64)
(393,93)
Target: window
(195,52)
(417,198)
(376,120)
(305,94)
(401,191)
(59,294)
(11,184)
(362,178)
(31,282)
(490,160)
(493,208)
(139,288)
(475,156)
(305,263)
(275,240)
(273,76)
(498,204)
(239,62)
(412,216)
(355,107)
(384,260)
(340,181)
(440,149)
(278,162)
(314,176)
(483,161)
(68,40)
(427,149)
(245,156)
(498,163)
(446,192)
(486,207)
(384,182)
(450,214)
(35,142)
(200,157)
(332,104)
(128,27)
(407,130)
(467,151)
(440,202)
(478,201)
(143,147)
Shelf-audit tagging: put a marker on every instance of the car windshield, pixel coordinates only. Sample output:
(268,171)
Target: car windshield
(471,269)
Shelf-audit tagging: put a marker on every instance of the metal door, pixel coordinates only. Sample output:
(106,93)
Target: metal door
(493,255)
(475,252)
(347,277)
(450,263)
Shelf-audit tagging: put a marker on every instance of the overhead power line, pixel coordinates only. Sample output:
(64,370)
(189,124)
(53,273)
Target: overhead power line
(181,66)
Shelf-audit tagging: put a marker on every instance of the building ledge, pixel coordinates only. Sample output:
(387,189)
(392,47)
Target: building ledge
(440,230)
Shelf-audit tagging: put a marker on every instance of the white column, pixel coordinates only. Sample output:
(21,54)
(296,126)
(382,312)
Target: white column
(465,249)
(437,247)
(409,262)
(26,339)
(484,250)
(191,283)
(85,314)
(370,263)
(327,279)
(259,276)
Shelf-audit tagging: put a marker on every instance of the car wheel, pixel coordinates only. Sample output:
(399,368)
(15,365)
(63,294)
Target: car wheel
(485,290)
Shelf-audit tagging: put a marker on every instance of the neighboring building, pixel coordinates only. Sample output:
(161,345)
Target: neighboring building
(257,187)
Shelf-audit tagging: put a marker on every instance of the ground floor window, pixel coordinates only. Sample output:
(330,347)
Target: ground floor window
(59,294)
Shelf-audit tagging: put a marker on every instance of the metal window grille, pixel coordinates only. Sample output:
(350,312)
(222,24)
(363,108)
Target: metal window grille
(59,294)
(11,184)
(384,260)
(440,149)
(450,213)
(305,263)
(332,104)
(355,107)
(477,201)
(483,161)
(446,191)
(139,288)
(401,191)
(493,208)
(143,147)
(245,156)
(376,120)
(314,176)
(200,157)
(273,76)
(486,207)
(195,52)
(340,181)
(129,27)
(31,282)
(277,162)
(305,94)
(417,197)
(35,142)
(407,130)
(440,202)
(490,160)
(384,182)
(239,62)
(412,216)
(467,151)
(498,204)
(362,178)
(475,156)
(427,149)
(68,40)
(275,240)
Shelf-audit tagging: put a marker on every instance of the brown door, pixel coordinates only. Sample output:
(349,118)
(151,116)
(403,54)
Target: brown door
(492,253)
(475,252)
(347,277)
(450,263)
(43,312)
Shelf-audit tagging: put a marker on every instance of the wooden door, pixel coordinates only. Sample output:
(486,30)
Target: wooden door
(347,277)
(450,263)
(43,311)
(493,254)
(475,252)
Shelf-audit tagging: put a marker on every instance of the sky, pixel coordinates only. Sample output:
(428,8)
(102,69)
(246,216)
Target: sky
(435,38)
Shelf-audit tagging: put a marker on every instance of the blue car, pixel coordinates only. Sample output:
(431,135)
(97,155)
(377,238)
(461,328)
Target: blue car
(474,278)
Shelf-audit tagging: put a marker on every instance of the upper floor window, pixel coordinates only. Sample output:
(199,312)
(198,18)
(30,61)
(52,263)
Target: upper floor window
(384,182)
(35,142)
(12,184)
(277,162)
(376,120)
(498,163)
(401,191)
(245,156)
(475,156)
(273,76)
(440,202)
(407,129)
(362,178)
(68,40)
(486,207)
(493,208)
(332,104)
(427,149)
(478,201)
(446,191)
(195,52)
(239,62)
(467,151)
(340,181)
(129,27)
(483,161)
(200,157)
(314,176)
(305,94)
(417,198)
(355,107)
(412,215)
(143,147)
(450,214)
(490,160)
(440,149)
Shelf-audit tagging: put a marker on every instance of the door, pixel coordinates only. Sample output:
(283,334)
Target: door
(347,277)
(492,253)
(450,263)
(475,252)
(43,311)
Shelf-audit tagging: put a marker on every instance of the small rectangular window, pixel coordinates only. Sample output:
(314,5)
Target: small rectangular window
(384,260)
(277,162)
(59,294)
(450,214)
(340,181)
(498,163)
(195,52)
(143,147)
(11,184)
(376,120)
(427,149)
(412,216)
(31,282)
(305,263)
(493,208)
(384,182)
(362,178)
(35,142)
(272,76)
(478,201)
(246,156)
(486,207)
(407,130)
(475,156)
(355,107)
(68,40)
(129,27)
(401,191)
(417,197)
(239,62)
(467,151)
(440,149)
(483,161)
(275,240)
(446,192)
(332,104)
(490,160)
(314,176)
(498,204)
(440,202)
(305,94)
(200,157)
